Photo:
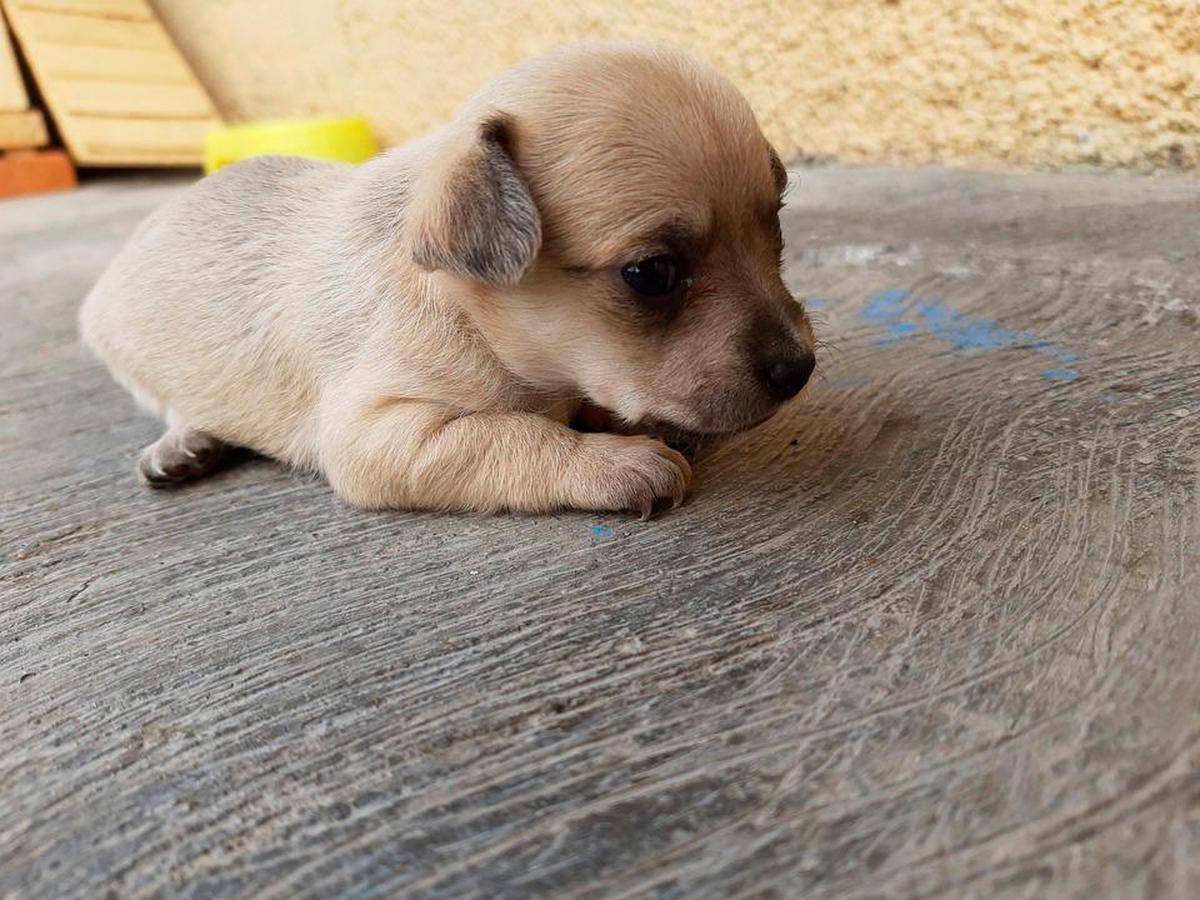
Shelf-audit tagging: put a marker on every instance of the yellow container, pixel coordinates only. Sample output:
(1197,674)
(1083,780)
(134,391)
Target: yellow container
(341,140)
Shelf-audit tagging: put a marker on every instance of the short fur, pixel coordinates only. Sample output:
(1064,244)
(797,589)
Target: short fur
(422,328)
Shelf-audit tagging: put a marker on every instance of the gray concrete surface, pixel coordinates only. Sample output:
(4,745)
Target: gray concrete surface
(934,632)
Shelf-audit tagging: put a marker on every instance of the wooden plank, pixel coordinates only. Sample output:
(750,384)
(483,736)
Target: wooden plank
(164,101)
(142,159)
(67,62)
(930,632)
(119,10)
(22,130)
(13,97)
(102,138)
(90,31)
(118,89)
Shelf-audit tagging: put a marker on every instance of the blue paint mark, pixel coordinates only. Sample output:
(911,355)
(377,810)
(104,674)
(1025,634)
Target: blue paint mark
(902,315)
(816,303)
(602,531)
(1111,397)
(886,307)
(964,332)
(1060,374)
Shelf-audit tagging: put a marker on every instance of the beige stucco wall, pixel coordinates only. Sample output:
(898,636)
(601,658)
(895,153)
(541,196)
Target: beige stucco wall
(1025,82)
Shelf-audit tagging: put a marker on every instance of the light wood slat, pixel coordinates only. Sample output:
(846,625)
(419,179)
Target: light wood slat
(111,64)
(117,87)
(163,101)
(157,157)
(111,136)
(22,130)
(129,10)
(13,96)
(92,31)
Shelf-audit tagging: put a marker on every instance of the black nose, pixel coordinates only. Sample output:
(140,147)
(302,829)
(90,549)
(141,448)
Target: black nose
(788,374)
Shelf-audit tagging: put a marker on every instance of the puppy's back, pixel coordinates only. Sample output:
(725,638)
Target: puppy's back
(206,313)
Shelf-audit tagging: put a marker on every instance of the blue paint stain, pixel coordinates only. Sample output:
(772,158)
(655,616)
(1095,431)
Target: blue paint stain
(1111,397)
(602,531)
(964,332)
(816,303)
(886,307)
(1060,374)
(901,314)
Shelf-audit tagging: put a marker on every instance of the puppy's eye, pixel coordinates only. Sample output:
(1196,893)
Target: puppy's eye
(653,277)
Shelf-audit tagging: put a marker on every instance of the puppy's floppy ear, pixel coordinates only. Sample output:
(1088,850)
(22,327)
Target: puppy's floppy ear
(472,213)
(778,171)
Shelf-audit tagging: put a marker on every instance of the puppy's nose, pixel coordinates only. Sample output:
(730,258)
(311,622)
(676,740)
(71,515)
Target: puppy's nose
(786,375)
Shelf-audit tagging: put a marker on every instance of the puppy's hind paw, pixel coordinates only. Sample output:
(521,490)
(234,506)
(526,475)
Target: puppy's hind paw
(180,455)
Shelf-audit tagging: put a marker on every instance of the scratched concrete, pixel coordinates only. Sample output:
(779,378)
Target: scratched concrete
(935,631)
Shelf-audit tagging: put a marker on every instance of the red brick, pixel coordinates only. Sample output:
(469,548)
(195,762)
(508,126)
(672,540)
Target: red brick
(35,171)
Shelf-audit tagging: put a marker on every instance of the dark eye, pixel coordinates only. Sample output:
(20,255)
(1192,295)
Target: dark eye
(653,277)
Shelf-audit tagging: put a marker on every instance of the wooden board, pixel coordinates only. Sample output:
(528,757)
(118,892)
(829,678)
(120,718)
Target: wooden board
(47,25)
(13,96)
(114,10)
(931,632)
(22,130)
(118,88)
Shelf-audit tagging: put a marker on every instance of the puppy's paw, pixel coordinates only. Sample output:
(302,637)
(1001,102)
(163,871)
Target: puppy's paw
(182,454)
(620,472)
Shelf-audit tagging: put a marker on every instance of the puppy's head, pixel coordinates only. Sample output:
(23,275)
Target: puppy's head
(613,212)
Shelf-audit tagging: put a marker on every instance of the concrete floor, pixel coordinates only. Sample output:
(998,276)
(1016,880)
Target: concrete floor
(935,631)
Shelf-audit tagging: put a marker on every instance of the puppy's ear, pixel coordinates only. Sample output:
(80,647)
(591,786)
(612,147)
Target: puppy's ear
(778,172)
(472,213)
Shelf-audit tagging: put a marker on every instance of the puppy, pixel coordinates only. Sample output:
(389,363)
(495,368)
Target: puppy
(597,230)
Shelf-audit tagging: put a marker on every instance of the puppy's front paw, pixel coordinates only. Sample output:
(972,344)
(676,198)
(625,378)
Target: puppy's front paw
(619,472)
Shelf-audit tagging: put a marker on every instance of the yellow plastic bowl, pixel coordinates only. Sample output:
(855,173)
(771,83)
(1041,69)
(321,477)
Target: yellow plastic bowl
(341,140)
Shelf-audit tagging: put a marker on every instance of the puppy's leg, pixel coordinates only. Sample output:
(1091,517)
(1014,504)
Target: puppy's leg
(423,456)
(181,454)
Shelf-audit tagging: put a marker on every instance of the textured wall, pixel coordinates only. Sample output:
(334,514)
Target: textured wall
(1028,82)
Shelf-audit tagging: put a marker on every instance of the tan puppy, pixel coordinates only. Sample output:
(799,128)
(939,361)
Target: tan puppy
(597,226)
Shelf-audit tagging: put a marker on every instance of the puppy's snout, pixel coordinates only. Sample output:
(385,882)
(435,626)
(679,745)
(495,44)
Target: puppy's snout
(786,375)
